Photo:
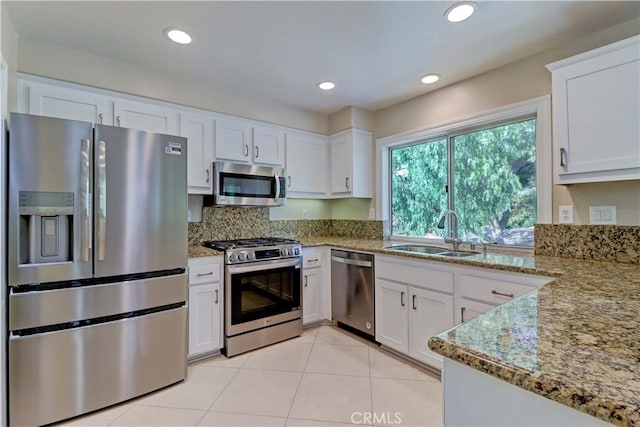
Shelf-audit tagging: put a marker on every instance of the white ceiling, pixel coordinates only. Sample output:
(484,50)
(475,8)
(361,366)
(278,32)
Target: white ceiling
(375,52)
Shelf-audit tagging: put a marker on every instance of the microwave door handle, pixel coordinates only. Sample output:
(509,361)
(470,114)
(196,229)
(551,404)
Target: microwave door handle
(277,178)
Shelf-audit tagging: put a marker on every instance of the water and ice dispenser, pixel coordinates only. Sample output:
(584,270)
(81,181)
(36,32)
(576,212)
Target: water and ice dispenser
(46,227)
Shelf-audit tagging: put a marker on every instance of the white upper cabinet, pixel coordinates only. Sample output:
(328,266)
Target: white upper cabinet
(233,140)
(268,146)
(198,129)
(67,103)
(307,165)
(596,114)
(351,164)
(144,116)
(239,141)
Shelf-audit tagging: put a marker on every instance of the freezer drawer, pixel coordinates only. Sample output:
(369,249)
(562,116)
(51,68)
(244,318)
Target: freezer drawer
(42,308)
(62,374)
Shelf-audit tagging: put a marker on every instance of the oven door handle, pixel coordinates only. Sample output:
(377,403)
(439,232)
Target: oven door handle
(264,265)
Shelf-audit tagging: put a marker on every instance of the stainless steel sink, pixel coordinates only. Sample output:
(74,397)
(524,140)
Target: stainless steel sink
(457,254)
(433,250)
(419,248)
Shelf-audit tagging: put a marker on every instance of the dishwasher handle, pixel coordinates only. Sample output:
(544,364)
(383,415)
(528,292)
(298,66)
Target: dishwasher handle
(357,262)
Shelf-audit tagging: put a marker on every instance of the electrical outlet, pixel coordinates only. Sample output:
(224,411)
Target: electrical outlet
(602,215)
(372,213)
(305,213)
(565,214)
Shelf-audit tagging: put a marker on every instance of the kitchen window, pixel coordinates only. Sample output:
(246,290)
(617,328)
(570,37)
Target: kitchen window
(492,170)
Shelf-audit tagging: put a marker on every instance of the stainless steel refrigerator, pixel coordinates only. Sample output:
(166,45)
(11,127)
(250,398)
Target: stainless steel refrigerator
(97,248)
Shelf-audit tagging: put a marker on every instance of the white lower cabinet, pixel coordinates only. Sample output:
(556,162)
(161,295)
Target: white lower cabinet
(205,305)
(316,289)
(480,290)
(414,301)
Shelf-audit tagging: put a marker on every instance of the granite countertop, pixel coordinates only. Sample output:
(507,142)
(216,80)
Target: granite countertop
(575,340)
(196,251)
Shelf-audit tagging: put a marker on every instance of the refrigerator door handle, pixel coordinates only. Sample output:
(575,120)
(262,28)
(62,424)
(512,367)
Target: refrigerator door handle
(101,223)
(85,200)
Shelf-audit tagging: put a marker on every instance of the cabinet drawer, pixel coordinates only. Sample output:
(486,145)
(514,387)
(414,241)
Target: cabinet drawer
(312,257)
(415,274)
(206,269)
(491,290)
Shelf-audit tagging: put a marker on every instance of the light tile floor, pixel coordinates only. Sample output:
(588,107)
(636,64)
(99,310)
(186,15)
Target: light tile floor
(326,377)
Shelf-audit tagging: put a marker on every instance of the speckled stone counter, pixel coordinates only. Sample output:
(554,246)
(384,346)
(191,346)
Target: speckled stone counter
(197,251)
(575,341)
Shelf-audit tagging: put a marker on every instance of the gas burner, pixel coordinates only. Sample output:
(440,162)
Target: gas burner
(258,249)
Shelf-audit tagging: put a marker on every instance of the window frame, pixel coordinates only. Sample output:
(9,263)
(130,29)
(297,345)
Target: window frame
(538,108)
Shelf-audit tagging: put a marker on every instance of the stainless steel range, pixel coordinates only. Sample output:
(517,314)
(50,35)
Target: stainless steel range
(263,302)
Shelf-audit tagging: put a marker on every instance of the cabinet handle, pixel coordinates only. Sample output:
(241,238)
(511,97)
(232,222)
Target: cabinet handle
(289,179)
(246,150)
(207,174)
(205,274)
(313,260)
(346,182)
(306,282)
(216,300)
(402,299)
(413,302)
(257,151)
(100,116)
(563,157)
(118,121)
(494,292)
(462,314)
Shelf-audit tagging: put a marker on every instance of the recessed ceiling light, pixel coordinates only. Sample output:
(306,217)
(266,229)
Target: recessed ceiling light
(460,11)
(178,36)
(430,78)
(326,85)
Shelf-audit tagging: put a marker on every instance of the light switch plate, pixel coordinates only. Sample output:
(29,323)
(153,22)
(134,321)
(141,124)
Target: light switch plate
(603,215)
(565,214)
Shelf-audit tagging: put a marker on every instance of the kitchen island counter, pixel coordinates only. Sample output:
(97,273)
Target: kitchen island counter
(575,341)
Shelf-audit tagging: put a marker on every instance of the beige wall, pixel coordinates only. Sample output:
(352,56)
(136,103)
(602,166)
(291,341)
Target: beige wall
(351,117)
(518,81)
(9,47)
(58,62)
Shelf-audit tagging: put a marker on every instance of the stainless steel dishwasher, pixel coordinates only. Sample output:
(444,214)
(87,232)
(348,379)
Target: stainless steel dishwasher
(352,294)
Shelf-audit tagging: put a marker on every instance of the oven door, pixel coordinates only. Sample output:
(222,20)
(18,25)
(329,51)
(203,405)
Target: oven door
(262,294)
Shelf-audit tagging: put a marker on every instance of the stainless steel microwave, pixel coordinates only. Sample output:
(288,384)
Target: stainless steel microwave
(236,184)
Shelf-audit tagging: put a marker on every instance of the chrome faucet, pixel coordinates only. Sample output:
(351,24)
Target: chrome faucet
(453,237)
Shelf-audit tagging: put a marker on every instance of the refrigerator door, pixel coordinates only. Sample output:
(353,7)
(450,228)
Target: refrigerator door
(140,201)
(49,207)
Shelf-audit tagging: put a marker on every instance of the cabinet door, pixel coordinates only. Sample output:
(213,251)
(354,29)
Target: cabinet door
(147,117)
(233,140)
(198,129)
(307,165)
(312,296)
(205,332)
(469,309)
(341,164)
(71,104)
(596,105)
(268,146)
(392,323)
(431,313)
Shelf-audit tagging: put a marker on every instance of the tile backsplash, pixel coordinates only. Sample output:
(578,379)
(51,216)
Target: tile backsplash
(598,242)
(223,223)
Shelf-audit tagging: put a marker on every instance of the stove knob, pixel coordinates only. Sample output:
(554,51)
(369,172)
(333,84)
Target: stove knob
(242,256)
(284,252)
(296,251)
(233,257)
(251,256)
